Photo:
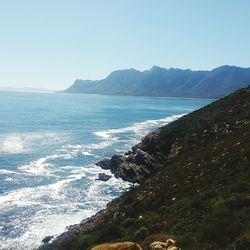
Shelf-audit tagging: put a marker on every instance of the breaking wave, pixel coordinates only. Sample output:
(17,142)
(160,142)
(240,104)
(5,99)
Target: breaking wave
(140,128)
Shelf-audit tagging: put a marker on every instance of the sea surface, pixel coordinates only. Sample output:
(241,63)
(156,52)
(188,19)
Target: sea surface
(49,144)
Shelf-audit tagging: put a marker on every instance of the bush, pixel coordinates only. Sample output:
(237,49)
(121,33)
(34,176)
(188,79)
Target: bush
(237,202)
(128,222)
(220,226)
(111,232)
(243,242)
(83,242)
(141,233)
(240,187)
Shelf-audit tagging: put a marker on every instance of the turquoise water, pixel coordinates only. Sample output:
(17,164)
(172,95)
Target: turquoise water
(49,144)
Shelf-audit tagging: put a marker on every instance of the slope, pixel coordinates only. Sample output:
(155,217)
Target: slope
(201,193)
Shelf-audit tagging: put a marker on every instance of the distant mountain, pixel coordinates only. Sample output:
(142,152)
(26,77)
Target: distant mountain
(167,82)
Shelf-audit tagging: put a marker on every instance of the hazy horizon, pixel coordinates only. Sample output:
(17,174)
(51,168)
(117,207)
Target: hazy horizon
(47,44)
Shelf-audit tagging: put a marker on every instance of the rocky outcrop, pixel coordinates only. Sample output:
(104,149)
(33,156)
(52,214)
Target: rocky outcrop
(103,177)
(134,166)
(47,239)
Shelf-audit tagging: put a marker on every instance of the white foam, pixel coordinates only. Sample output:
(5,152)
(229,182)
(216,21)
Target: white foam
(43,225)
(16,143)
(86,153)
(86,150)
(39,167)
(58,185)
(29,195)
(101,145)
(103,134)
(5,171)
(140,128)
(58,211)
(42,166)
(12,144)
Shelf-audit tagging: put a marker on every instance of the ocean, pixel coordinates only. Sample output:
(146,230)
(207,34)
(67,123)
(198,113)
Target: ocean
(49,144)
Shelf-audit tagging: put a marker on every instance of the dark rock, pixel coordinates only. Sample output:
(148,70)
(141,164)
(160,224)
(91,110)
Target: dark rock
(104,177)
(104,164)
(133,166)
(143,158)
(47,239)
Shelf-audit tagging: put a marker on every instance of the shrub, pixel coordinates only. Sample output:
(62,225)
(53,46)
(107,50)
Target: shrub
(237,202)
(243,242)
(128,222)
(141,233)
(111,232)
(220,226)
(83,242)
(240,187)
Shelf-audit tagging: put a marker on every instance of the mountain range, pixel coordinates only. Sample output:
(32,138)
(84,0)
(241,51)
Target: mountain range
(162,82)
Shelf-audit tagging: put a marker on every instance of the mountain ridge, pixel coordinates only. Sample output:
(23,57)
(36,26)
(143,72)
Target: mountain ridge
(172,82)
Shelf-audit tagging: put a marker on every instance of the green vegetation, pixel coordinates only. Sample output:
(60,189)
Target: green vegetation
(201,197)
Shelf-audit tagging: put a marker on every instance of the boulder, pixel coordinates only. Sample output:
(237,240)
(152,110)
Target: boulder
(104,177)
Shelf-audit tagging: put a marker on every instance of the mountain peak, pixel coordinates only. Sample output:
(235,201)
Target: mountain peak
(156,68)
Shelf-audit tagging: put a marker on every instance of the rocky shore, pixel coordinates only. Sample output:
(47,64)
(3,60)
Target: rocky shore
(194,186)
(133,166)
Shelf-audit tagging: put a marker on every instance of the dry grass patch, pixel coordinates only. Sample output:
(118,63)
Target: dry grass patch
(118,246)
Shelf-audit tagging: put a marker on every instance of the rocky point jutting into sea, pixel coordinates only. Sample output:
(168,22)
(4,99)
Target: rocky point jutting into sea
(193,190)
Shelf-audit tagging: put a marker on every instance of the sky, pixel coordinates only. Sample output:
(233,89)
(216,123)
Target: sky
(50,43)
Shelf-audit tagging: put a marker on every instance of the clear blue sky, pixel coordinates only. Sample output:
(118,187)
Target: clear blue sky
(50,43)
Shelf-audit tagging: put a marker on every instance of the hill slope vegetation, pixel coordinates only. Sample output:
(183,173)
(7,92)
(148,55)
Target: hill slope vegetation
(200,194)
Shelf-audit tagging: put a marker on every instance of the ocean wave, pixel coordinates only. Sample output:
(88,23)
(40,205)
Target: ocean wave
(39,167)
(87,149)
(140,128)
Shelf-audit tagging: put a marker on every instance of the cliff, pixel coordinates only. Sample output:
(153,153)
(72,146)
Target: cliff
(194,185)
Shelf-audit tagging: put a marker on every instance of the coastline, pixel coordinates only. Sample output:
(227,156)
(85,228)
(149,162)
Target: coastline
(179,198)
(140,174)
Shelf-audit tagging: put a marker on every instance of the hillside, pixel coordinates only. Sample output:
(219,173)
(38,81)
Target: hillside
(167,82)
(198,193)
